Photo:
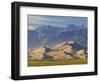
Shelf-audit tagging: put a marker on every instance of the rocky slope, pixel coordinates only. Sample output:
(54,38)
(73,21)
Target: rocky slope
(48,35)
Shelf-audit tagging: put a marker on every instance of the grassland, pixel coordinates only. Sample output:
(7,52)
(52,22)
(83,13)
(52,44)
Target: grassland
(56,62)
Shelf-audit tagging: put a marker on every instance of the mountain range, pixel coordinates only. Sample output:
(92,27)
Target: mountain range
(48,36)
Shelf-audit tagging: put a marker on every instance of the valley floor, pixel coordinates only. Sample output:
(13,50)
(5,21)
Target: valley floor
(56,62)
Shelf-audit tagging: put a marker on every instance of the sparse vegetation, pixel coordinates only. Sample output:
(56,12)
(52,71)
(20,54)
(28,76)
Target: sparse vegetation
(56,62)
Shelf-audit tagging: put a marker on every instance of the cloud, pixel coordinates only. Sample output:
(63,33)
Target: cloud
(60,21)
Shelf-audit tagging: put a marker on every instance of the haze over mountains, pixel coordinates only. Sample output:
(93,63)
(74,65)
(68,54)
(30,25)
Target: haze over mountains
(49,35)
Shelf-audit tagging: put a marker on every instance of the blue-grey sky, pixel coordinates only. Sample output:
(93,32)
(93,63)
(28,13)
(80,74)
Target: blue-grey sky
(60,21)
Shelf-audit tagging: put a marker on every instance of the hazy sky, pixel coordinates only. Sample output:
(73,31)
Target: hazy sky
(61,21)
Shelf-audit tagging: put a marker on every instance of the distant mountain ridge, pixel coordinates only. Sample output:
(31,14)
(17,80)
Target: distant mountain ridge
(48,35)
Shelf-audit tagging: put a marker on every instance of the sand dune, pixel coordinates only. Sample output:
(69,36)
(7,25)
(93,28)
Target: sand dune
(60,51)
